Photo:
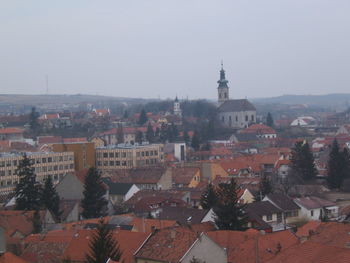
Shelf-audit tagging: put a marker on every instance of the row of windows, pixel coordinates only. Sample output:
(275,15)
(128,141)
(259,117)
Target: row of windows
(114,163)
(41,169)
(38,160)
(54,177)
(126,154)
(236,118)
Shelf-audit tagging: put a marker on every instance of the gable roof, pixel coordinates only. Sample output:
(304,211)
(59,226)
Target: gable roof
(183,215)
(313,202)
(283,202)
(236,105)
(262,208)
(167,245)
(117,188)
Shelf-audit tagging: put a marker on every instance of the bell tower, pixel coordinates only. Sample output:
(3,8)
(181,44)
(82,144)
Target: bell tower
(223,89)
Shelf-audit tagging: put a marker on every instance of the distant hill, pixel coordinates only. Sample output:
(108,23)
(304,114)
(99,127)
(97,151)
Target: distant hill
(329,100)
(21,99)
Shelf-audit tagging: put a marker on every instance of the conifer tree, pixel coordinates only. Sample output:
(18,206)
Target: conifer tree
(265,188)
(150,133)
(27,192)
(229,212)
(37,224)
(33,121)
(195,141)
(143,117)
(139,137)
(269,120)
(208,198)
(103,245)
(94,203)
(186,137)
(120,134)
(50,198)
(302,161)
(337,166)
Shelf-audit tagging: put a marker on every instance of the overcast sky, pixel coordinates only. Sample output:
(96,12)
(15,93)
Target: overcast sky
(163,48)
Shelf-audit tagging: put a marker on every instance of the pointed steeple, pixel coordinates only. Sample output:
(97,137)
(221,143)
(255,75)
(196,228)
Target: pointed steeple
(223,89)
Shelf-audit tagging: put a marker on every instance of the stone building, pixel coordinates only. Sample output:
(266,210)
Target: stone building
(239,113)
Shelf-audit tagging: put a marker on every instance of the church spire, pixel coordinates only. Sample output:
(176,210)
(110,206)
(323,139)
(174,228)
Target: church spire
(223,89)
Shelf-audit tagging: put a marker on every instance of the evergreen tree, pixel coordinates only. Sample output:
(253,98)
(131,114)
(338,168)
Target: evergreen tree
(337,166)
(269,120)
(37,224)
(346,158)
(195,141)
(103,245)
(265,188)
(175,131)
(50,198)
(33,121)
(139,137)
(229,212)
(186,137)
(120,134)
(150,133)
(208,198)
(27,191)
(143,117)
(126,114)
(302,161)
(94,203)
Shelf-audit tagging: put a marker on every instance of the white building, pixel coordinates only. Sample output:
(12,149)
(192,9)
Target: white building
(314,208)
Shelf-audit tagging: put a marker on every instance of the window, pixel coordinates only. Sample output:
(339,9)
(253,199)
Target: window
(312,212)
(252,117)
(236,118)
(111,155)
(225,95)
(111,163)
(105,155)
(147,153)
(246,117)
(269,218)
(124,155)
(49,160)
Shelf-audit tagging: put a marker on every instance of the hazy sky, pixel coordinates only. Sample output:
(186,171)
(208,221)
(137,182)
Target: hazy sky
(160,48)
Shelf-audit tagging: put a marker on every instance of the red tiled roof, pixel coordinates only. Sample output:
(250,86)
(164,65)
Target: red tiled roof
(146,225)
(73,140)
(8,257)
(307,229)
(184,175)
(259,129)
(49,139)
(11,131)
(309,252)
(167,245)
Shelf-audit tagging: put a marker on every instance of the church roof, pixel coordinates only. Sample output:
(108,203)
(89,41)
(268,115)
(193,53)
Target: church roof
(236,105)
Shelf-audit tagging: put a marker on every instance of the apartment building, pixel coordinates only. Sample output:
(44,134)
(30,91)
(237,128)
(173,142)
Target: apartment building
(129,156)
(45,164)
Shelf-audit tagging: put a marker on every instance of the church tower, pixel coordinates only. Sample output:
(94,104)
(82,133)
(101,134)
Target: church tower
(223,94)
(177,109)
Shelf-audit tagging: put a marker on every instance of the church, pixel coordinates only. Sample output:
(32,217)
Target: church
(237,114)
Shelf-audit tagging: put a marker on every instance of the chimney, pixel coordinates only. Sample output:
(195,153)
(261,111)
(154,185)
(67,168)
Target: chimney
(172,233)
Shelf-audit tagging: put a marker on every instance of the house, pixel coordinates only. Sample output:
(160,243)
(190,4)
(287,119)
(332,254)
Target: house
(253,246)
(185,215)
(260,131)
(155,178)
(11,134)
(290,210)
(269,213)
(179,244)
(71,187)
(120,192)
(186,176)
(315,208)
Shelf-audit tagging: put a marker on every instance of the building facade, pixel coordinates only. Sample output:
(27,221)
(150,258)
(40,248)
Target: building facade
(55,165)
(129,156)
(84,153)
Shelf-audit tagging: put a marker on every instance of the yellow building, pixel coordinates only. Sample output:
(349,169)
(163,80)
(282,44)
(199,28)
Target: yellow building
(84,153)
(52,164)
(129,156)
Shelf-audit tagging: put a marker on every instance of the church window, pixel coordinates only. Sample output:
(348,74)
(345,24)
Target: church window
(230,119)
(246,117)
(225,95)
(236,118)
(252,117)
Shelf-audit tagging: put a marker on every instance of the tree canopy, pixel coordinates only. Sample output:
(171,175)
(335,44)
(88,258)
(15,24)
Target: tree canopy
(103,245)
(94,203)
